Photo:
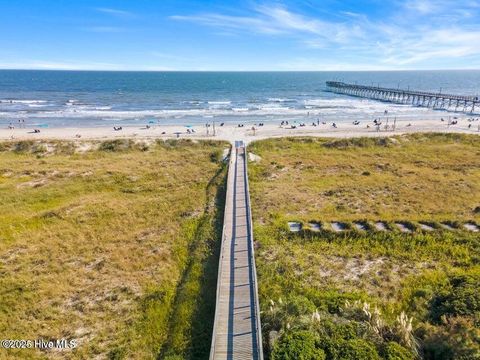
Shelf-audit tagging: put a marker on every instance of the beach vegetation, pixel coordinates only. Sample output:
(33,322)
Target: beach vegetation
(111,243)
(365,293)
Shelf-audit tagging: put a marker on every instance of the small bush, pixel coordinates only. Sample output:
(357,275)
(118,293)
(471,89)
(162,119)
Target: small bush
(216,156)
(65,148)
(300,305)
(23,146)
(123,145)
(39,149)
(394,351)
(116,145)
(460,298)
(116,354)
(361,142)
(457,339)
(299,345)
(358,349)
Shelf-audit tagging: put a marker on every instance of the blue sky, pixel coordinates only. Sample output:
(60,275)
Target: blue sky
(239,35)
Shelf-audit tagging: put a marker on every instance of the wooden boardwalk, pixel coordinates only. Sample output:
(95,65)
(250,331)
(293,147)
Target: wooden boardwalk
(237,331)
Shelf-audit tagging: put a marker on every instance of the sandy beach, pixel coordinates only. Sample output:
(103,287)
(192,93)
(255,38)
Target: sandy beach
(231,132)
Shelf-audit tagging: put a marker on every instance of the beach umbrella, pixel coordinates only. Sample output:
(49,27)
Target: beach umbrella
(151,122)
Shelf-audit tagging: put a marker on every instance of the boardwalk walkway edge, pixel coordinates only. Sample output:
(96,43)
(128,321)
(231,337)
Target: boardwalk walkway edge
(237,330)
(254,266)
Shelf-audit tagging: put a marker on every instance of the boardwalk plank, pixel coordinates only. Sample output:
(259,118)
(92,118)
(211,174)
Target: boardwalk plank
(236,333)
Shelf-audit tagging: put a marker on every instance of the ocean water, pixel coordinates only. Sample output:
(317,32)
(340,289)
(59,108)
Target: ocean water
(89,98)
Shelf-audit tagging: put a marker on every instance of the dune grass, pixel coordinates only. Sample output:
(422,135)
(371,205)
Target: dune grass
(353,294)
(415,177)
(113,244)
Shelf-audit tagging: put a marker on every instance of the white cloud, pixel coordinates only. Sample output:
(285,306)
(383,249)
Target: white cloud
(115,12)
(414,33)
(422,6)
(271,20)
(231,22)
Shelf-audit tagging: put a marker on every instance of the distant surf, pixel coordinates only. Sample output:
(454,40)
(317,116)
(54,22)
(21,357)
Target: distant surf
(60,99)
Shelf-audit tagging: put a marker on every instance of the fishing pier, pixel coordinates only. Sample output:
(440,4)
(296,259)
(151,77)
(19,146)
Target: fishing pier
(437,101)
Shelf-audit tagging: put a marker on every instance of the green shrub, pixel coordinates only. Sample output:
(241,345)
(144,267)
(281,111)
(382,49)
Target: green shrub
(299,345)
(116,145)
(457,339)
(361,142)
(116,354)
(216,156)
(394,351)
(358,349)
(65,148)
(23,146)
(39,149)
(300,305)
(460,298)
(335,337)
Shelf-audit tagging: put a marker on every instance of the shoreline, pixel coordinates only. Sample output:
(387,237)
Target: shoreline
(231,132)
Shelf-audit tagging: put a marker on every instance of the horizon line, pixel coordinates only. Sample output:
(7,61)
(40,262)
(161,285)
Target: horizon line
(232,71)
